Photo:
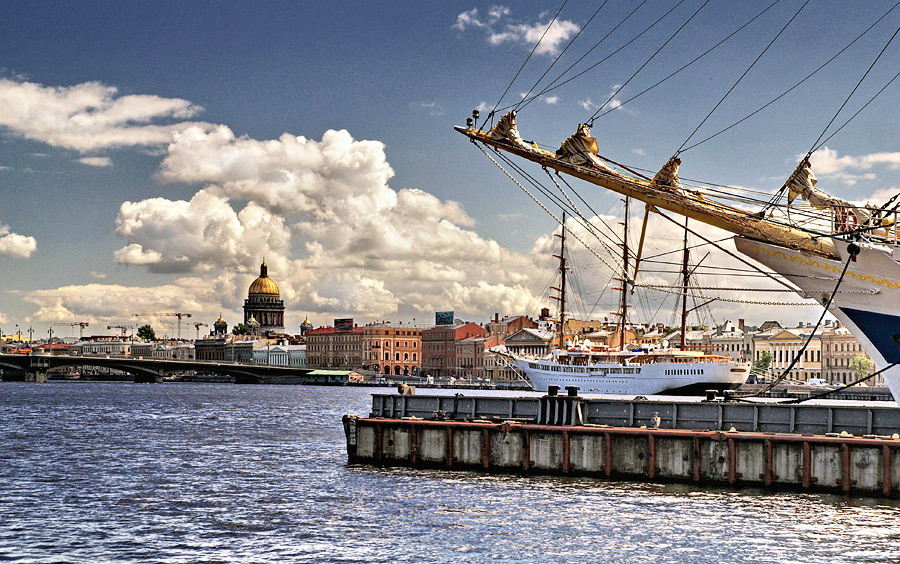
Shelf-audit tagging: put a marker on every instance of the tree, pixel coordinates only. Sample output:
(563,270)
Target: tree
(861,365)
(240,329)
(765,360)
(146,333)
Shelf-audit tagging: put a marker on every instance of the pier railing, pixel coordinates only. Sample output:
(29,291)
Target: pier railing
(859,420)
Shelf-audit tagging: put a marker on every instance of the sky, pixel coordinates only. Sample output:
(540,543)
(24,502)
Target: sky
(153,154)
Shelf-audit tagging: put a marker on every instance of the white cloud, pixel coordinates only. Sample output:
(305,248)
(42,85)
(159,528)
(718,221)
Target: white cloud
(500,31)
(3,319)
(432,108)
(325,218)
(550,99)
(96,161)
(15,245)
(5,168)
(98,275)
(588,104)
(106,303)
(471,18)
(202,234)
(88,116)
(848,169)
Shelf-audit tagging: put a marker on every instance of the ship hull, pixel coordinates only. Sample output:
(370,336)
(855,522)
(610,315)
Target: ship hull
(867,302)
(647,379)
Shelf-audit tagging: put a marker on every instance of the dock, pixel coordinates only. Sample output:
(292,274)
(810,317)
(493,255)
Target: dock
(840,447)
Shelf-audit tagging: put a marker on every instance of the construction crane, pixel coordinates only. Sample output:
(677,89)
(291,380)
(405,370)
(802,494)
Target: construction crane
(124,328)
(80,324)
(197,326)
(166,314)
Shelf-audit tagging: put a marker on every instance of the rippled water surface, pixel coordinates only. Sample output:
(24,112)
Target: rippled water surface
(222,473)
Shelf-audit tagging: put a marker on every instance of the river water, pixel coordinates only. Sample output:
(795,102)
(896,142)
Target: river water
(121,472)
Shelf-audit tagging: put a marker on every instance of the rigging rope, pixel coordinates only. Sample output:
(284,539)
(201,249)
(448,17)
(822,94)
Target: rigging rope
(538,81)
(852,251)
(525,62)
(842,388)
(792,88)
(694,60)
(543,207)
(816,145)
(733,86)
(590,121)
(553,86)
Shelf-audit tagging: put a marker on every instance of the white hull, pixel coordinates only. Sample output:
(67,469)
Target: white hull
(867,303)
(645,379)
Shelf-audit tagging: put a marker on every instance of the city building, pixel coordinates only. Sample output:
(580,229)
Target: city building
(392,349)
(439,347)
(327,347)
(264,304)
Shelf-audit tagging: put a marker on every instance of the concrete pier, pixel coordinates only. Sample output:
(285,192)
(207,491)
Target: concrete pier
(837,462)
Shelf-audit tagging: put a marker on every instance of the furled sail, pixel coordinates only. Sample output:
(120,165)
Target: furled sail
(582,149)
(667,177)
(578,157)
(505,130)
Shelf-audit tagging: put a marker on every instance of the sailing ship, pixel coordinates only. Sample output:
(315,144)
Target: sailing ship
(844,256)
(626,368)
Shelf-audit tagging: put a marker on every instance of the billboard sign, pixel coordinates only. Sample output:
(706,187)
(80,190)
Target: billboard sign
(443,318)
(343,324)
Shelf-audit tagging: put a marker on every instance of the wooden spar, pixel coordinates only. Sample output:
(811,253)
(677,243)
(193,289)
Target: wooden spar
(640,251)
(735,220)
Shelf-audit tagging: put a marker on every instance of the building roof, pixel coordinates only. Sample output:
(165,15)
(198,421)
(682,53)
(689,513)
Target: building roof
(264,284)
(331,331)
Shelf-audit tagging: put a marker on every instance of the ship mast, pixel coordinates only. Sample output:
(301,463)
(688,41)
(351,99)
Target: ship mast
(623,300)
(685,274)
(561,317)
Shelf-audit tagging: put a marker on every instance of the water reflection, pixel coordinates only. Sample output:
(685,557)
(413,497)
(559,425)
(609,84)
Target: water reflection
(205,473)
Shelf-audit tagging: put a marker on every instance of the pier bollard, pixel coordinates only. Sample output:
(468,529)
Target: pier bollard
(572,391)
(711,395)
(552,391)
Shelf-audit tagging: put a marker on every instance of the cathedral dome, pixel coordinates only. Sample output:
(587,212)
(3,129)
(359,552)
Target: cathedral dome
(264,284)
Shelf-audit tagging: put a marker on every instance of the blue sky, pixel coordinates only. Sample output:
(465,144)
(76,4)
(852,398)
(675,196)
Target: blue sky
(114,203)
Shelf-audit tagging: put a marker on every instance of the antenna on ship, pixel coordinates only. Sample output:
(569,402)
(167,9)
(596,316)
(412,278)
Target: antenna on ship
(561,318)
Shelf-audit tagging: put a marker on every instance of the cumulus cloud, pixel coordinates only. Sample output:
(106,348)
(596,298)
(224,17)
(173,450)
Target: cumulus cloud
(96,161)
(850,169)
(15,245)
(104,303)
(98,275)
(89,116)
(327,221)
(499,29)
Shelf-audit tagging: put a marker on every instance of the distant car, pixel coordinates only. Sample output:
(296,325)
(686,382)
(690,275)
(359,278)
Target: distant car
(817,382)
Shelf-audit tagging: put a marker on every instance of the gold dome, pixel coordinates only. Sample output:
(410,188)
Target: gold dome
(264,284)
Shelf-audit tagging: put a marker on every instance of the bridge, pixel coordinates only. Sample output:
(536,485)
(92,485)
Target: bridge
(35,368)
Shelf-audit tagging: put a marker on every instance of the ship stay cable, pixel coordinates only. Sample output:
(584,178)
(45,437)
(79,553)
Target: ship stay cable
(792,88)
(842,388)
(817,145)
(554,85)
(692,61)
(580,219)
(547,210)
(616,91)
(740,78)
(525,62)
(558,57)
(883,88)
(852,251)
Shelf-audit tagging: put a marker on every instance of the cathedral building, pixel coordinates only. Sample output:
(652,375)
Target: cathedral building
(264,304)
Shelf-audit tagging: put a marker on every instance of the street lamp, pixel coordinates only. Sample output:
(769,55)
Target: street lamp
(51,341)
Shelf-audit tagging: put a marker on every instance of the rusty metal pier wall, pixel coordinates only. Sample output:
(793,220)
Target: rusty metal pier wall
(837,462)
